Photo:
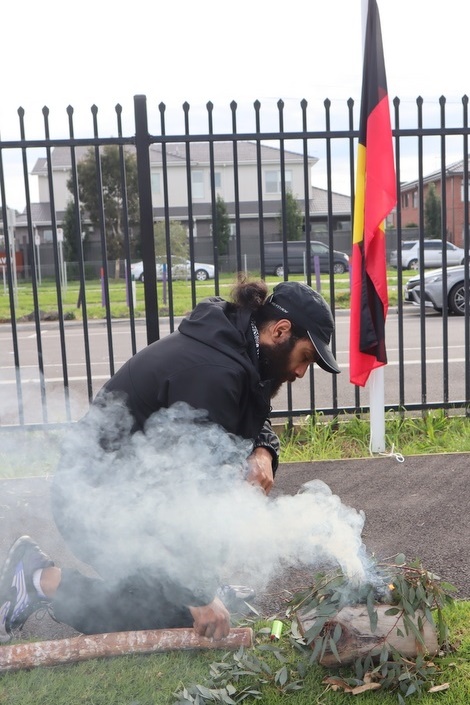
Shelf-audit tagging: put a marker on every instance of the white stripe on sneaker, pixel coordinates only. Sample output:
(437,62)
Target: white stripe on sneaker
(22,594)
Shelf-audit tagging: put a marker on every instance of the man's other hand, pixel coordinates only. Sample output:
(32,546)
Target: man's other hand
(260,464)
(211,621)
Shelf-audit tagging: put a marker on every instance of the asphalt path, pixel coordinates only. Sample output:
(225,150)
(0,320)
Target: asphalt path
(419,507)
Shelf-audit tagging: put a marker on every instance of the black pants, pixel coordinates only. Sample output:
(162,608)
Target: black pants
(91,606)
(113,601)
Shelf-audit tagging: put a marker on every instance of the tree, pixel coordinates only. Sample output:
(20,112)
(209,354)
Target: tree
(111,191)
(178,239)
(294,218)
(222,226)
(432,213)
(69,226)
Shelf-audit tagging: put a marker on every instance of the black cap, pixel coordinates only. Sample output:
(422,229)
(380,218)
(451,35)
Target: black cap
(307,309)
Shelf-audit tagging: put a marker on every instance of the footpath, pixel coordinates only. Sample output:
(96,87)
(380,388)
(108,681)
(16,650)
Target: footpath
(420,507)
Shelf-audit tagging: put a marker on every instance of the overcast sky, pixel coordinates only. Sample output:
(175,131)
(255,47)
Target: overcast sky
(101,52)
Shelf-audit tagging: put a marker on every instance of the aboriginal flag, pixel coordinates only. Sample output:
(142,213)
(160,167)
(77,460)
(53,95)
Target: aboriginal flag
(375,198)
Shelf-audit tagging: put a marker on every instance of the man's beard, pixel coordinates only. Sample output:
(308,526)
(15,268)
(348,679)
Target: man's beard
(274,363)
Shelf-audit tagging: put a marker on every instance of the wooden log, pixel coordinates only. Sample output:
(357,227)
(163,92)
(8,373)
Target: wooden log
(357,640)
(15,657)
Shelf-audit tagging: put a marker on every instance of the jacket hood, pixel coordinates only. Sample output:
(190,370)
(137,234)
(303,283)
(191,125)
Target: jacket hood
(223,326)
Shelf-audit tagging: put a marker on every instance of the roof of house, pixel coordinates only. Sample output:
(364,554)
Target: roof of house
(341,204)
(199,154)
(454,169)
(40,215)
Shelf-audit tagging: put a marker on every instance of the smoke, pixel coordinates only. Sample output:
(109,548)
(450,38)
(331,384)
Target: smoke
(175,498)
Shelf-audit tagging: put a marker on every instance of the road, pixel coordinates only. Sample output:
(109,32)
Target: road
(419,382)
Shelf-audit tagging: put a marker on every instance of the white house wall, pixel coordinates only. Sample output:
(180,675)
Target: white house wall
(247,184)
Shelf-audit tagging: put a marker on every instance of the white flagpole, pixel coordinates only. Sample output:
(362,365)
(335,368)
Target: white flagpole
(376,379)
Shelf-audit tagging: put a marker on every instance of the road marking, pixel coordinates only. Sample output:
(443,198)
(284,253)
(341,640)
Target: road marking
(83,378)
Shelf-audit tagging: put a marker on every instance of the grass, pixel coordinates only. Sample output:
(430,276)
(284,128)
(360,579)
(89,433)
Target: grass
(181,292)
(153,679)
(433,432)
(35,453)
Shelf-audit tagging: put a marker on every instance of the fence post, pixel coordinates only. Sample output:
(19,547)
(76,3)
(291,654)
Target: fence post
(142,142)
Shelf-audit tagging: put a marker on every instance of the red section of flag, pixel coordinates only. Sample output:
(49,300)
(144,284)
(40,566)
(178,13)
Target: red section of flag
(375,198)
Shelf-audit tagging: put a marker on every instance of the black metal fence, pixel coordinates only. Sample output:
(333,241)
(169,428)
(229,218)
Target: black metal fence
(53,363)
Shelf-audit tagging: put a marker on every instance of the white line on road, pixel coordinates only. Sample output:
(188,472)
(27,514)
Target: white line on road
(49,380)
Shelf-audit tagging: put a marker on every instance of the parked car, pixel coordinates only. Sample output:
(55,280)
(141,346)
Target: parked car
(180,269)
(454,288)
(296,257)
(432,254)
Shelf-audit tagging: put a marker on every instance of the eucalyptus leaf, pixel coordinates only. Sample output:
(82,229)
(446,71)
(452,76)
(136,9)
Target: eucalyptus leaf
(359,668)
(316,650)
(337,633)
(334,649)
(323,647)
(315,630)
(428,615)
(281,676)
(292,687)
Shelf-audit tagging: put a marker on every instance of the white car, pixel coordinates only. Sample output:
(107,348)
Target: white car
(180,269)
(432,254)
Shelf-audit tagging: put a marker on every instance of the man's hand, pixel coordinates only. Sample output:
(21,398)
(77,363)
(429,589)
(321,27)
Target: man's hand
(211,621)
(260,464)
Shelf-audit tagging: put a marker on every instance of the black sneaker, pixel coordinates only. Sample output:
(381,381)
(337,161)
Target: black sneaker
(18,596)
(234,596)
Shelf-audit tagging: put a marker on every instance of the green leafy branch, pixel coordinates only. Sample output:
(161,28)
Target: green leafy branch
(414,596)
(242,675)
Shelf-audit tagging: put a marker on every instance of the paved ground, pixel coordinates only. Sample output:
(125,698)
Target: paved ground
(419,508)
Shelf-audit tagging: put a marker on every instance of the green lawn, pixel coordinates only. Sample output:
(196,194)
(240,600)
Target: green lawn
(154,679)
(181,294)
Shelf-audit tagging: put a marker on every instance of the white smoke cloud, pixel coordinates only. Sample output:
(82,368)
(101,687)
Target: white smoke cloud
(176,498)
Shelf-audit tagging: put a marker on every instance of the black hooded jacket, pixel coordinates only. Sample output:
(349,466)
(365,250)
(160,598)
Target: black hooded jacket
(210,363)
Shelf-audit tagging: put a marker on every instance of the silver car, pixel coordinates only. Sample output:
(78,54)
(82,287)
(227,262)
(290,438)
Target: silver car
(455,293)
(432,254)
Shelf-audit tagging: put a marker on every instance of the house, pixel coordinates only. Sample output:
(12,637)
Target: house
(245,174)
(454,195)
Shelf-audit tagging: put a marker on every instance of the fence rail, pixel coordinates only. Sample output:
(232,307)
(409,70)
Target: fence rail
(51,369)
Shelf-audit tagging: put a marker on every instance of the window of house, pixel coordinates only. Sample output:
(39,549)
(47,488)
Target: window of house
(405,200)
(47,235)
(415,199)
(218,179)
(156,183)
(272,181)
(197,183)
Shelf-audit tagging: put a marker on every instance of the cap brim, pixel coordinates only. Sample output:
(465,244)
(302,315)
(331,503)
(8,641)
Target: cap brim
(325,357)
